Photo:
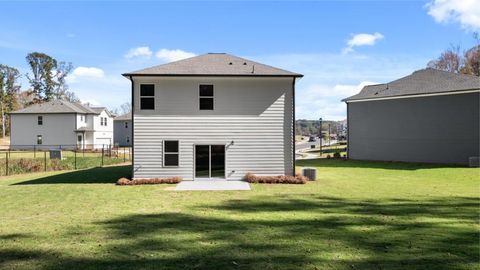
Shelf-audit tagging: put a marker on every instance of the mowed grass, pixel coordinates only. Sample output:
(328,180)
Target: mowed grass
(357,215)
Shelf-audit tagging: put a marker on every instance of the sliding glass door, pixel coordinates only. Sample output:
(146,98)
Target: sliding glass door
(210,161)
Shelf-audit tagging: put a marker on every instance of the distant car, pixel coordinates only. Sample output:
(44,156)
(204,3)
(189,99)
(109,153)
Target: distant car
(312,139)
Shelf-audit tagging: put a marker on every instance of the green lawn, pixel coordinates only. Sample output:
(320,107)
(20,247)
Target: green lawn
(357,215)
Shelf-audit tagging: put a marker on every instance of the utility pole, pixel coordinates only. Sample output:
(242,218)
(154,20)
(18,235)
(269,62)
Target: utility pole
(320,136)
(329,135)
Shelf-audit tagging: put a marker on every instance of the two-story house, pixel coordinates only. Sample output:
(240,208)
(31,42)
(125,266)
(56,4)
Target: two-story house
(61,123)
(122,130)
(213,116)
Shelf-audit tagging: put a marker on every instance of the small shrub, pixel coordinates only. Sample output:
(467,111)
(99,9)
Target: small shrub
(148,181)
(329,157)
(278,179)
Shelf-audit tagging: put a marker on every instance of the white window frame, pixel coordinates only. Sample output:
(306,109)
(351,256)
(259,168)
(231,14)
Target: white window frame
(212,97)
(163,154)
(38,120)
(41,139)
(140,95)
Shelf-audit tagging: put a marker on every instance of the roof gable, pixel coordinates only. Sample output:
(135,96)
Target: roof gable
(56,106)
(213,64)
(424,81)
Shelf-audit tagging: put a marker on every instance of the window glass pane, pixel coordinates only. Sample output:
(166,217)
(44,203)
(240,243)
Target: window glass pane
(171,159)
(218,161)
(202,160)
(40,120)
(206,103)
(147,104)
(147,90)
(39,139)
(206,90)
(171,146)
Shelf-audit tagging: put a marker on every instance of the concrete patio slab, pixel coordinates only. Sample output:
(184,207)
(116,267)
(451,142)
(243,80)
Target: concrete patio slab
(212,185)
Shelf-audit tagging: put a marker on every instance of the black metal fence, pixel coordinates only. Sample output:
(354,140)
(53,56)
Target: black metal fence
(18,159)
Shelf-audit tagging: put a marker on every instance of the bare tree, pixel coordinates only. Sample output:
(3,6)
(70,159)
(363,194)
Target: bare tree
(451,60)
(122,109)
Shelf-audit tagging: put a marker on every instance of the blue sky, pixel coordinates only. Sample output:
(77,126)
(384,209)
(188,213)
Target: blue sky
(338,46)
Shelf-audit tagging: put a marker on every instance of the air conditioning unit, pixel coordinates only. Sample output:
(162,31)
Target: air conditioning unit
(474,161)
(310,173)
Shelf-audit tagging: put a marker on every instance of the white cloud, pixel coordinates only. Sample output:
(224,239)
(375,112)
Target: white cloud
(139,52)
(85,72)
(466,12)
(173,55)
(362,39)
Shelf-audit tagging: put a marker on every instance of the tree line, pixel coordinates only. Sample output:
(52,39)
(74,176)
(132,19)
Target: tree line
(459,61)
(47,81)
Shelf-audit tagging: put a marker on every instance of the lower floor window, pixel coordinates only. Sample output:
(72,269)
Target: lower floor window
(128,139)
(170,153)
(39,139)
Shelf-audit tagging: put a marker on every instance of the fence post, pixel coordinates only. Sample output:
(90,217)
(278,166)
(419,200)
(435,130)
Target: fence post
(6,163)
(103,150)
(34,151)
(75,153)
(124,154)
(45,160)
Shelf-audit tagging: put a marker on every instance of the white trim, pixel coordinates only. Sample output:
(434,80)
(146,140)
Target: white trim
(414,96)
(163,154)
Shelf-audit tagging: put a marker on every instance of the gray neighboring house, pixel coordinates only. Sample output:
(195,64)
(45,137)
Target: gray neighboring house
(122,130)
(429,116)
(61,123)
(214,116)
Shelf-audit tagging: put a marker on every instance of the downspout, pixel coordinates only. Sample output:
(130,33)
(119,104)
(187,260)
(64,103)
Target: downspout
(75,131)
(348,133)
(293,125)
(133,126)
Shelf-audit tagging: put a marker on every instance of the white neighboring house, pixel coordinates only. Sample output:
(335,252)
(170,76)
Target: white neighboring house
(213,116)
(122,130)
(63,124)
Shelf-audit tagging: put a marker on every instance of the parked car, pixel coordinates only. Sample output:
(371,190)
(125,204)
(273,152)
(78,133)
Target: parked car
(312,139)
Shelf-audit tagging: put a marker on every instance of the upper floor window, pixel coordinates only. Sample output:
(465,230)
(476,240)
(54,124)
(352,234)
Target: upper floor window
(40,120)
(147,97)
(126,124)
(206,97)
(81,118)
(103,121)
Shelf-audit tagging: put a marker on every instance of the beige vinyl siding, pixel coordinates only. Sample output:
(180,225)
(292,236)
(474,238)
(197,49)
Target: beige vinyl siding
(251,112)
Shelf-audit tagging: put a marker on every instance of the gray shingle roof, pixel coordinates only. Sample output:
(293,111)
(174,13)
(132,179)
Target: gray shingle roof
(56,106)
(424,81)
(127,116)
(213,64)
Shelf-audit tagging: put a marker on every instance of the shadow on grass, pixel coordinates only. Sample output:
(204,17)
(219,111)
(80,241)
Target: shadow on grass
(293,232)
(341,163)
(98,175)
